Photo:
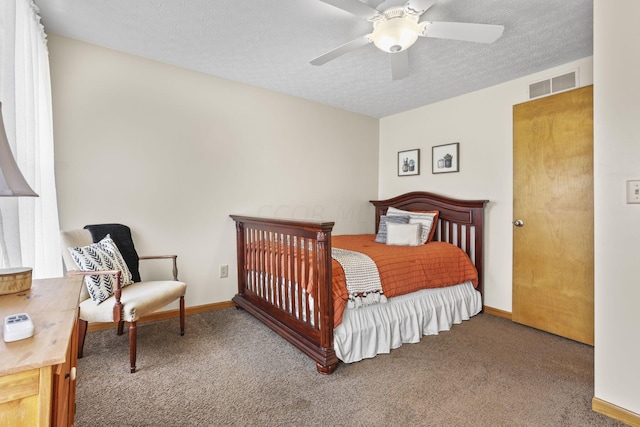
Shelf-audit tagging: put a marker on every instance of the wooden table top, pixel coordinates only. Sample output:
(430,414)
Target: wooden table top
(52,305)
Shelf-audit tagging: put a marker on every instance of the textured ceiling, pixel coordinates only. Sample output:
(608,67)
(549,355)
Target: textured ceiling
(269,44)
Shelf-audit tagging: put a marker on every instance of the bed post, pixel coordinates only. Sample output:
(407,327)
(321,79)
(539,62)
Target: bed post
(240,255)
(325,297)
(478,220)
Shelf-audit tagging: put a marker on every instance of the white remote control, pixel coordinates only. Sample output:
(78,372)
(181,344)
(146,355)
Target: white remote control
(17,327)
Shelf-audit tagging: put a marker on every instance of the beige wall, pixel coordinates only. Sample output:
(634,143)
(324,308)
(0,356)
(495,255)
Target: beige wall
(482,123)
(617,224)
(172,153)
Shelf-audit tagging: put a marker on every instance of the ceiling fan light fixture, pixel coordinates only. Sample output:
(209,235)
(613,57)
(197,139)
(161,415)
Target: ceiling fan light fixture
(395,34)
(395,29)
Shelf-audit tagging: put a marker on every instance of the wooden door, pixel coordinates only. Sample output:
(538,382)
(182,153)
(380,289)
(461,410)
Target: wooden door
(553,214)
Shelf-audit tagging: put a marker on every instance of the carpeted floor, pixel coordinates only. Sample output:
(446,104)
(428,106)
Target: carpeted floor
(229,369)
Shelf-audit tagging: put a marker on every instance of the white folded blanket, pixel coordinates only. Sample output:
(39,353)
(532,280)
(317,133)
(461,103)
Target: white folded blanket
(362,277)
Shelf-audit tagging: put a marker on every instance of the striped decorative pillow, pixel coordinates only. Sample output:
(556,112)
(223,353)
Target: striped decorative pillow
(100,256)
(425,219)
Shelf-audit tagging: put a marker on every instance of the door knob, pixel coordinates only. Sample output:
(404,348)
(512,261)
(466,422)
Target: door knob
(518,223)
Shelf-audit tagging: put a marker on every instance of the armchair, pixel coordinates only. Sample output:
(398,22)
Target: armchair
(113,290)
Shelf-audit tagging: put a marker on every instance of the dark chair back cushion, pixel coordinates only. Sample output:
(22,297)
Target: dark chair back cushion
(121,236)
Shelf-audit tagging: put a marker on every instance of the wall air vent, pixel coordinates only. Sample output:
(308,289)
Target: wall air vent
(540,89)
(553,85)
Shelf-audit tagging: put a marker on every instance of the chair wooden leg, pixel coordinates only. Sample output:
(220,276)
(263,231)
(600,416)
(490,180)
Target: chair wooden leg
(120,327)
(182,316)
(82,334)
(133,332)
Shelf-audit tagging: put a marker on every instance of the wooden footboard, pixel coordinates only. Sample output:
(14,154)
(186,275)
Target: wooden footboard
(284,267)
(284,280)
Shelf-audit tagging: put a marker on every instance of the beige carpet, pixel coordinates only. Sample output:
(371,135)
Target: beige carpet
(229,369)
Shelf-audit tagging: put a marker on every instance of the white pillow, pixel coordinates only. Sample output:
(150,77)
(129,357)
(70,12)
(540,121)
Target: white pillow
(425,219)
(381,237)
(100,256)
(403,234)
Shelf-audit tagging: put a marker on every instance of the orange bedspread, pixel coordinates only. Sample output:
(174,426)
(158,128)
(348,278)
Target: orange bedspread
(403,269)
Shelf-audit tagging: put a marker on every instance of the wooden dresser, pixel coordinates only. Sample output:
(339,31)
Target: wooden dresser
(38,374)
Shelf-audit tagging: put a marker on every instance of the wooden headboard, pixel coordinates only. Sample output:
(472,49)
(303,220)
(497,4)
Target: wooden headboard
(460,222)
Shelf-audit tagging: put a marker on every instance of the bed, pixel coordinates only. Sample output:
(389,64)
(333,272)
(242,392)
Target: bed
(289,280)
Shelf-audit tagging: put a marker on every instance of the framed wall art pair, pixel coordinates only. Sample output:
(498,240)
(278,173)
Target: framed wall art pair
(444,159)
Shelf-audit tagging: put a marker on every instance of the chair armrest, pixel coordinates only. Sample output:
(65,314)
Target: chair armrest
(173,257)
(117,307)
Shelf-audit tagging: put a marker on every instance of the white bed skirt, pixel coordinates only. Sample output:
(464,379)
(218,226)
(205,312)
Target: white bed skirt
(376,329)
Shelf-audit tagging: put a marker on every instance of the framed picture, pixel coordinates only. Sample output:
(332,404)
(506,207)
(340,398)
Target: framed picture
(446,158)
(409,162)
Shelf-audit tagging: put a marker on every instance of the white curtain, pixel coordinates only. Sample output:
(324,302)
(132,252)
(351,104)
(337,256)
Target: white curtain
(29,235)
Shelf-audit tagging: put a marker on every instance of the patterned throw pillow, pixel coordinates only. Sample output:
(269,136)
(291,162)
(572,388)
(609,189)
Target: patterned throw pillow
(101,256)
(426,219)
(381,237)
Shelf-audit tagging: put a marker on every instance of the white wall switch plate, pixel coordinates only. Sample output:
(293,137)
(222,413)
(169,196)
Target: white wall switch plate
(633,191)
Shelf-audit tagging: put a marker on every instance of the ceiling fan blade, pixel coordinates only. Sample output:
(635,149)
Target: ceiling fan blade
(399,65)
(355,7)
(341,50)
(418,7)
(480,33)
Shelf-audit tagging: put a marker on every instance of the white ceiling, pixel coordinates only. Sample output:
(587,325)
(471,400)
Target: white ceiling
(269,44)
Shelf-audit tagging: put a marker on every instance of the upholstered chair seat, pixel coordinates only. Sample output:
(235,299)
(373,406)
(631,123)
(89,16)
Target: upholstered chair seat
(137,299)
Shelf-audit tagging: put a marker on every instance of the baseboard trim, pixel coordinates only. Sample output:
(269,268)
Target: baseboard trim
(162,315)
(617,413)
(497,312)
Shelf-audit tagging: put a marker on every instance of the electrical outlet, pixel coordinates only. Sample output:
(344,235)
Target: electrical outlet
(224,271)
(633,191)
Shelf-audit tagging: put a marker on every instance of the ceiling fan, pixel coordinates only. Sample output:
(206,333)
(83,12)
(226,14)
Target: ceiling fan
(395,29)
